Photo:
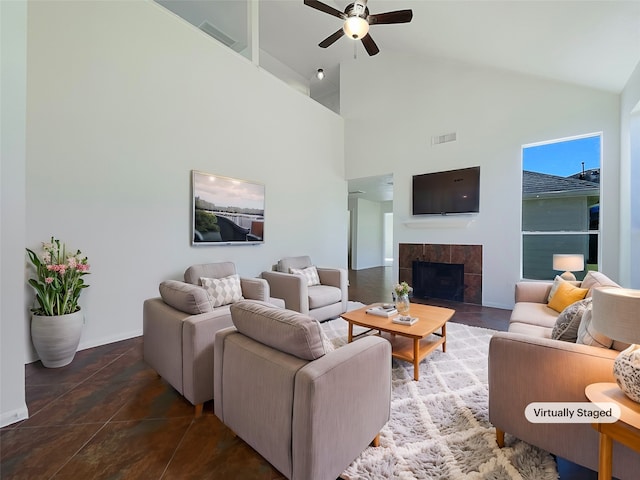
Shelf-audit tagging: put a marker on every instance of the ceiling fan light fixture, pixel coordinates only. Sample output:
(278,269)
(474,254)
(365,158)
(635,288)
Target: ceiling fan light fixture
(356,27)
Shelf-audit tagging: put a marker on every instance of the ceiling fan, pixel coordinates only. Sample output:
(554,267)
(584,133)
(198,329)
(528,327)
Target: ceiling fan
(357,21)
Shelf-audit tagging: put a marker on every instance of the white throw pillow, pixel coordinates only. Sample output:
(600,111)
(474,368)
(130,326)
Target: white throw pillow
(326,342)
(223,291)
(310,273)
(556,283)
(587,335)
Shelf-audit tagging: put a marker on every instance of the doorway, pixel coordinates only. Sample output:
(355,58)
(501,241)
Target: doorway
(370,222)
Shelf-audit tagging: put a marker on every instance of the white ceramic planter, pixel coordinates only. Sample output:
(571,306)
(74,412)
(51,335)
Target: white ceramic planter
(56,338)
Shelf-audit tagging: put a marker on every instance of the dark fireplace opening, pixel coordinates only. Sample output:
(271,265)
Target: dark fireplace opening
(438,280)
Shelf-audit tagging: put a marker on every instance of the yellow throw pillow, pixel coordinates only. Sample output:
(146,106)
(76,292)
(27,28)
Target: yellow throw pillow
(565,295)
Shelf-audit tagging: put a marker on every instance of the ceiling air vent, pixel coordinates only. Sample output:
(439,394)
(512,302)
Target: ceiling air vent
(209,29)
(447,137)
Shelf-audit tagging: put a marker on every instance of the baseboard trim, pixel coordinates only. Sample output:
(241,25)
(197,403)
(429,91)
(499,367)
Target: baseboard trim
(109,339)
(94,343)
(13,416)
(501,306)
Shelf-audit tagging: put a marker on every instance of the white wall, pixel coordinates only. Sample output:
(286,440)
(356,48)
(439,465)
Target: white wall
(13,324)
(125,99)
(630,182)
(391,117)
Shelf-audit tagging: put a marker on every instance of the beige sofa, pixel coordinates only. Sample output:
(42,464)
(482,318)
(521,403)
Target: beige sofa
(179,328)
(526,365)
(308,410)
(324,300)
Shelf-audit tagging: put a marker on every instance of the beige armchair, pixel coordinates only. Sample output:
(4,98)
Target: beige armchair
(308,410)
(326,299)
(179,329)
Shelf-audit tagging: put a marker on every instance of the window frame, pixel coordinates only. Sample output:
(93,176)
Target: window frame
(588,232)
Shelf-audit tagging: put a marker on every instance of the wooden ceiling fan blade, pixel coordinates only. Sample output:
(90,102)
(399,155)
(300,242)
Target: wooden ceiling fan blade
(369,45)
(325,8)
(399,16)
(331,39)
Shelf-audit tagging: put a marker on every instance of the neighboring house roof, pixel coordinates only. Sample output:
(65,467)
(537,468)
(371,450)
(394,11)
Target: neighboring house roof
(536,185)
(591,175)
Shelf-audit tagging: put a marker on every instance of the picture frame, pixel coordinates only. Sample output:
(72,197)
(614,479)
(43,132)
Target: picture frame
(226,211)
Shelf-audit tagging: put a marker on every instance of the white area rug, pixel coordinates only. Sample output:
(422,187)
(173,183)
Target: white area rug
(439,426)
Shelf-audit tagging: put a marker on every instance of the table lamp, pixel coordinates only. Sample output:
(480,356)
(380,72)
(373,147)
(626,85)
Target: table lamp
(616,313)
(569,262)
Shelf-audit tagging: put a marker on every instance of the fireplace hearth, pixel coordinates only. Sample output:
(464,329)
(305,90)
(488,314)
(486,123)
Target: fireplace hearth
(438,280)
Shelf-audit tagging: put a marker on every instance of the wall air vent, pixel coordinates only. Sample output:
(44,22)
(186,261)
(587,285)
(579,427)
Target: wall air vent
(447,137)
(209,29)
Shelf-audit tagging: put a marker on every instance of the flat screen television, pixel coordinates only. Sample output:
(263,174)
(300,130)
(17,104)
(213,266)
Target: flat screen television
(444,193)
(226,211)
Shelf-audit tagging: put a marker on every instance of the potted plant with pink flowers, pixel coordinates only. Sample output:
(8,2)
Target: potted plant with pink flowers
(57,320)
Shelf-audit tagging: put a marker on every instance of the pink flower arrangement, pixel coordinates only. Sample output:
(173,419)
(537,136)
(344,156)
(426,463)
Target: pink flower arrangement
(58,281)
(402,289)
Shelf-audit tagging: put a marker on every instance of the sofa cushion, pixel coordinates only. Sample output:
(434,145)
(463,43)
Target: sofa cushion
(588,335)
(565,295)
(530,330)
(285,330)
(568,322)
(223,291)
(596,279)
(310,273)
(532,313)
(323,295)
(187,298)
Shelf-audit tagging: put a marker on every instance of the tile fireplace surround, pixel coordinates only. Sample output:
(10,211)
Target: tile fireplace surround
(468,255)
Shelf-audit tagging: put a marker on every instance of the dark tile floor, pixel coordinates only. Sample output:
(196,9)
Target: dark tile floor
(109,416)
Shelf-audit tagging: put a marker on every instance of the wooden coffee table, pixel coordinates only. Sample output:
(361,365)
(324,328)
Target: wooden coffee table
(408,342)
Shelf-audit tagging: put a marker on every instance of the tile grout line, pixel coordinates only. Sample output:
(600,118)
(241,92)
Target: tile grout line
(71,457)
(175,450)
(73,386)
(103,424)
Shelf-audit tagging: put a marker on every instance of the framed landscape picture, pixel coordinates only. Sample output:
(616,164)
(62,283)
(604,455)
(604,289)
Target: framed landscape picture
(226,211)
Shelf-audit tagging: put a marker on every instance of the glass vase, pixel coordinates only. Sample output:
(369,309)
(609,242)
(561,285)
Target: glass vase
(402,304)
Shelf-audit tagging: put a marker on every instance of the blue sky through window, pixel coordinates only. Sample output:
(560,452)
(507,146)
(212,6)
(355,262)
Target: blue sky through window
(563,158)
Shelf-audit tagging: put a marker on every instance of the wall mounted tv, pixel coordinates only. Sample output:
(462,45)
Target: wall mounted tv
(226,211)
(444,193)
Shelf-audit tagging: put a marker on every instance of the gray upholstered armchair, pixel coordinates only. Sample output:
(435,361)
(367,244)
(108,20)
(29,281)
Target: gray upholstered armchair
(307,409)
(179,328)
(323,297)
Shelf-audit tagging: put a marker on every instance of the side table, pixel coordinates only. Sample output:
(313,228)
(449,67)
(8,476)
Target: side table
(624,431)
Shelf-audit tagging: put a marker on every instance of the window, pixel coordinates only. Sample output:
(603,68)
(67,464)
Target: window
(560,204)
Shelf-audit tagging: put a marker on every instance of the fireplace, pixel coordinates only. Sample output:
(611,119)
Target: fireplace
(470,256)
(438,280)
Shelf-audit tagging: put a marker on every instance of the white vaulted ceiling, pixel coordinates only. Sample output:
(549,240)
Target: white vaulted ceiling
(590,43)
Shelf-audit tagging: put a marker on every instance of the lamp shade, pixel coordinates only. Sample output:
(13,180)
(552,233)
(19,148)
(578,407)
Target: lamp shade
(571,262)
(356,27)
(616,313)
